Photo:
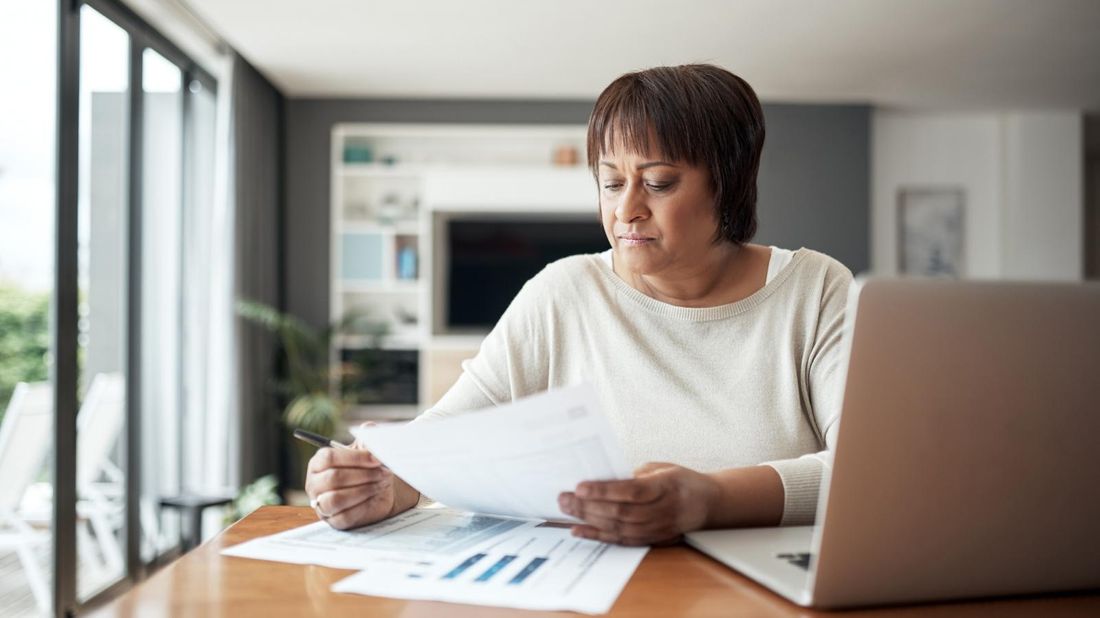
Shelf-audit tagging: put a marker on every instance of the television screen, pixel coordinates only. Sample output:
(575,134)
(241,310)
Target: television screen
(490,258)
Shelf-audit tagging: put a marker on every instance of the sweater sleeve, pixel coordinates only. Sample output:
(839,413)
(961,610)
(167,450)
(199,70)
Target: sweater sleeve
(511,363)
(802,476)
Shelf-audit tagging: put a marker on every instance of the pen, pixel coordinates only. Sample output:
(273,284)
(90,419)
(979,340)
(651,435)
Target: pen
(318,440)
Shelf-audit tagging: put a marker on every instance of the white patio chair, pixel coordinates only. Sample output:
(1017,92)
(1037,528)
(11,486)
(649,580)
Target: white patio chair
(98,428)
(25,437)
(100,483)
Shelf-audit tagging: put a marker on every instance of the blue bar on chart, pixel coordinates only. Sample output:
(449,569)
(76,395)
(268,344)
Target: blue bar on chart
(469,562)
(527,570)
(500,564)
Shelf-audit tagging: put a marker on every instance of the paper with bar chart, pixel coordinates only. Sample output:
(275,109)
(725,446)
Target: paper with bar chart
(504,469)
(540,568)
(511,460)
(415,538)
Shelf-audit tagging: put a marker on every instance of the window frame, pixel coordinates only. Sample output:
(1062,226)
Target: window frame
(64,318)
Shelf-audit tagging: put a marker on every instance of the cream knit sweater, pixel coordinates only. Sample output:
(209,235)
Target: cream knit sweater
(751,382)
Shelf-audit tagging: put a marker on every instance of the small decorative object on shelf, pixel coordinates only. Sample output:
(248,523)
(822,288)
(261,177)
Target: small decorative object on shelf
(390,209)
(406,263)
(566,155)
(405,317)
(357,154)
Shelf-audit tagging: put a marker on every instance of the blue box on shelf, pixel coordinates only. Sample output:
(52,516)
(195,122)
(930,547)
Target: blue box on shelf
(357,154)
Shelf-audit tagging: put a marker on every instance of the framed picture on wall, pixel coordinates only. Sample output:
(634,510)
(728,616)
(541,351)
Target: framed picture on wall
(932,231)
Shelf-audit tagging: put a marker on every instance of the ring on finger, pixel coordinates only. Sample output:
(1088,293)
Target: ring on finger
(315,504)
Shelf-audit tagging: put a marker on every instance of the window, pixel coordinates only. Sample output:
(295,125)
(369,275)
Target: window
(103,261)
(134,126)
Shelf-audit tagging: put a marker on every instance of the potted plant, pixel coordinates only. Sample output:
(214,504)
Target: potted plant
(317,388)
(260,492)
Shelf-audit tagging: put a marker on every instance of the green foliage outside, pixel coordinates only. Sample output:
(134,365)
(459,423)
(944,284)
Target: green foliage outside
(24,339)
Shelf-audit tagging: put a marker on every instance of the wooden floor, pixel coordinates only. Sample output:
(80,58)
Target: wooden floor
(16,600)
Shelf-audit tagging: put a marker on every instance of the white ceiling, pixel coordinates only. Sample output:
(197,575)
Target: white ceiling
(957,54)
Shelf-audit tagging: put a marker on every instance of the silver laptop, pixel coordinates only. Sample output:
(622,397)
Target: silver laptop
(967,461)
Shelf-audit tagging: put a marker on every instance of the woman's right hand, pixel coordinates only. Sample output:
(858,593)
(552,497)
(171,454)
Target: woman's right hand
(349,488)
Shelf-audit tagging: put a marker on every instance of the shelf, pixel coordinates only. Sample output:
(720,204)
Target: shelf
(381,413)
(502,189)
(378,170)
(404,228)
(456,342)
(392,186)
(397,286)
(358,131)
(397,340)
(417,170)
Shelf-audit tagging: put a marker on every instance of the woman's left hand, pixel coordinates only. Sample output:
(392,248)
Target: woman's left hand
(659,504)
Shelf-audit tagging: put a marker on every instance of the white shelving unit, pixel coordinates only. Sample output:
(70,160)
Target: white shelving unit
(388,180)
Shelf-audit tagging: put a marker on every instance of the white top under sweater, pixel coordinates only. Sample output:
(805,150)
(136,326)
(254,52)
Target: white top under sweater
(778,260)
(751,382)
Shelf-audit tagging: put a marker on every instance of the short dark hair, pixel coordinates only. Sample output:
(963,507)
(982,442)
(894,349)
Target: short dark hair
(702,115)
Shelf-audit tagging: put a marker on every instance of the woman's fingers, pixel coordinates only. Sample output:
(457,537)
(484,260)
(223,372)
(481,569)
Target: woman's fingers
(334,502)
(620,522)
(349,487)
(637,490)
(629,536)
(331,469)
(627,512)
(342,458)
(367,511)
(331,479)
(655,506)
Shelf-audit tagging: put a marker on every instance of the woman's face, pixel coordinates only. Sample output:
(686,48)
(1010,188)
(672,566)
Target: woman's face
(658,214)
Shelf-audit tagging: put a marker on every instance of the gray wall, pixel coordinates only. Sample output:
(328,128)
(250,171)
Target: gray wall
(814,177)
(815,181)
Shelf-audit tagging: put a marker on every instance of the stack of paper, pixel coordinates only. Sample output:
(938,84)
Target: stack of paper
(418,537)
(504,469)
(529,567)
(511,460)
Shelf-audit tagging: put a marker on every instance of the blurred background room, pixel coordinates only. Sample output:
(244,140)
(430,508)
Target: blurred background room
(222,219)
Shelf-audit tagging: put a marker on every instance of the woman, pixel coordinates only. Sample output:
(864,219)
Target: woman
(717,361)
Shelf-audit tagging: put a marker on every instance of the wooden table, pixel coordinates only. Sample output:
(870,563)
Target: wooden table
(671,581)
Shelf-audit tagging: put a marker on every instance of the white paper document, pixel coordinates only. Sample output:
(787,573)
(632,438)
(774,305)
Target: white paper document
(542,568)
(511,460)
(504,468)
(414,538)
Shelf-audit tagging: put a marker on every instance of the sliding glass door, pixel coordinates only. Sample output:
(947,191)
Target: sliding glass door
(106,140)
